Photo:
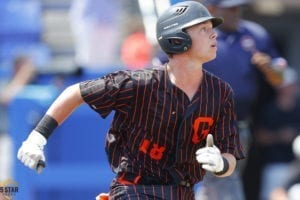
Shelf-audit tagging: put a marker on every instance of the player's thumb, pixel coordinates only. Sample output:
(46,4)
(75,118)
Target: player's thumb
(209,140)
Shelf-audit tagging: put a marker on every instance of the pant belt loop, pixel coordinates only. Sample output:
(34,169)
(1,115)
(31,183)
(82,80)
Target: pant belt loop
(137,178)
(133,181)
(123,181)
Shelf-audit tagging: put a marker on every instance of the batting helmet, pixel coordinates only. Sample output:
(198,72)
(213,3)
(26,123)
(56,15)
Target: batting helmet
(171,24)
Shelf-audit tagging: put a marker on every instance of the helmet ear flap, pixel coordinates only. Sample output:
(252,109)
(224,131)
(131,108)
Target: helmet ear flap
(175,43)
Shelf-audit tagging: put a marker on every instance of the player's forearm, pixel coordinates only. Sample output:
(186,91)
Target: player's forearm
(31,153)
(65,104)
(264,64)
(273,77)
(23,76)
(231,162)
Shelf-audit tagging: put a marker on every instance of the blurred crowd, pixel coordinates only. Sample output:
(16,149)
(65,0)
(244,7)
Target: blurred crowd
(268,102)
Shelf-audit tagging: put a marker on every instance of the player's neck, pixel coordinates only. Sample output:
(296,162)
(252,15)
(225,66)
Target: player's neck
(186,71)
(185,78)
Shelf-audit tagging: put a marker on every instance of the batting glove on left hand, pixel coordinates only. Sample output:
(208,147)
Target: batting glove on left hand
(210,156)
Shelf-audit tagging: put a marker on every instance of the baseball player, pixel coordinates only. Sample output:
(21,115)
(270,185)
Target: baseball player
(172,124)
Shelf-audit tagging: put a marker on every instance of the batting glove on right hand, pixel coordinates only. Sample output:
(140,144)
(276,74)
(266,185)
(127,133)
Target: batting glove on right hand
(32,150)
(210,156)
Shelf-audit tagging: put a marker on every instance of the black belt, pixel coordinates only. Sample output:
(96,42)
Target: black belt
(128,178)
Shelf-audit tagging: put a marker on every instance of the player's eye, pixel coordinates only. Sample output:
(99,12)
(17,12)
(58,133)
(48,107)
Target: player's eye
(206,30)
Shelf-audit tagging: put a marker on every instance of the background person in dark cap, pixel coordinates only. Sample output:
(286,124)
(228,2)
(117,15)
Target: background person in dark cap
(248,60)
(274,133)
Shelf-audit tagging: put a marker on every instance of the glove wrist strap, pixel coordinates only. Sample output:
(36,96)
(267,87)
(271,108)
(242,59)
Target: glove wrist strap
(225,168)
(46,126)
(36,138)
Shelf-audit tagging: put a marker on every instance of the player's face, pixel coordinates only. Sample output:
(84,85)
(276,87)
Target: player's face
(204,43)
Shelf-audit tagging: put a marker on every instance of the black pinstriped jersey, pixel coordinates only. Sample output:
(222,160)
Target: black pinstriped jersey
(156,128)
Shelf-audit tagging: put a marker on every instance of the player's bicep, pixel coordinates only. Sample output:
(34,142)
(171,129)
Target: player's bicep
(108,93)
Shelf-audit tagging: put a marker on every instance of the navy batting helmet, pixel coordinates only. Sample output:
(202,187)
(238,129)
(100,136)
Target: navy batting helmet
(171,24)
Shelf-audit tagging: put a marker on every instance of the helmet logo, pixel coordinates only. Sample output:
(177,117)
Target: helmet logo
(180,9)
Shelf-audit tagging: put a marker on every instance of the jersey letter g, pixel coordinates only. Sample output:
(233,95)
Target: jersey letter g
(197,137)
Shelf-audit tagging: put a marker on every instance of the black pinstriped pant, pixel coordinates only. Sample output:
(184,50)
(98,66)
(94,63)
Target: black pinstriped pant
(150,192)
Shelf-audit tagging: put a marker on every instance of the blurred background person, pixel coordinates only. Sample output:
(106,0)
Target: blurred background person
(246,59)
(291,188)
(276,128)
(136,49)
(95,28)
(23,74)
(22,55)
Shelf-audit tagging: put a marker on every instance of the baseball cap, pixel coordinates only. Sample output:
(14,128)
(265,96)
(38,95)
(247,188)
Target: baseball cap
(226,3)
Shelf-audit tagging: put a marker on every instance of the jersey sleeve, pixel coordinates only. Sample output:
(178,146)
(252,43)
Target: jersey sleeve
(226,128)
(108,93)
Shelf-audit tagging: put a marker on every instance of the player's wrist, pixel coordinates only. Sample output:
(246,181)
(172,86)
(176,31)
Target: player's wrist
(46,126)
(36,138)
(224,167)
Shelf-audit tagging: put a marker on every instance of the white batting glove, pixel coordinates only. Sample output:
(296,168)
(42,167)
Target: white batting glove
(210,156)
(32,150)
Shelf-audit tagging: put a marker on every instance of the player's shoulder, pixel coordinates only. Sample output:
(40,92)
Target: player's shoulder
(149,70)
(253,28)
(145,74)
(216,81)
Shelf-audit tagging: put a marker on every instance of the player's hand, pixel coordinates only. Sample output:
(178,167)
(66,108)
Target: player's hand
(261,60)
(31,153)
(210,156)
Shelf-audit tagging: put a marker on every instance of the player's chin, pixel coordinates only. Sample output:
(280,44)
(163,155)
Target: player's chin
(211,56)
